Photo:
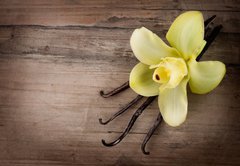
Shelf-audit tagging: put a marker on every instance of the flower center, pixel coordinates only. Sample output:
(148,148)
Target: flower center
(161,75)
(169,72)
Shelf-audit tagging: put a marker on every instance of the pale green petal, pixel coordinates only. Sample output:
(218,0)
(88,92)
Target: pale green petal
(173,104)
(149,48)
(205,76)
(186,34)
(141,80)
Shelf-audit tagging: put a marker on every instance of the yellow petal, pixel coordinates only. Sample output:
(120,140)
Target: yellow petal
(141,80)
(186,34)
(173,104)
(149,48)
(205,76)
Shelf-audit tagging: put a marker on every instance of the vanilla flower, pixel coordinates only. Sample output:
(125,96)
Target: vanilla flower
(165,71)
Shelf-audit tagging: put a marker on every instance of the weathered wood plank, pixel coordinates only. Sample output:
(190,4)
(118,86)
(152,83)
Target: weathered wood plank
(216,5)
(50,120)
(156,14)
(56,55)
(73,44)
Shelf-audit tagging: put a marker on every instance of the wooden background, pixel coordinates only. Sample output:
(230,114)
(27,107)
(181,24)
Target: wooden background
(55,57)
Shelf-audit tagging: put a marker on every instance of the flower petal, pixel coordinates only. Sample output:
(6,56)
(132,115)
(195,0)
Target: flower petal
(186,34)
(141,80)
(173,104)
(149,48)
(205,76)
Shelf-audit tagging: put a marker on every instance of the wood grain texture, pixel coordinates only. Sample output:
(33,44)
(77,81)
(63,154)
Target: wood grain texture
(55,57)
(114,14)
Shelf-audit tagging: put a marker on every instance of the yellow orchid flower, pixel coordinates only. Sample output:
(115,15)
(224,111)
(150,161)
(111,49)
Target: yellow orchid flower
(165,70)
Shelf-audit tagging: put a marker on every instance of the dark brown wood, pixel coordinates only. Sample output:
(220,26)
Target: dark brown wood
(56,55)
(157,14)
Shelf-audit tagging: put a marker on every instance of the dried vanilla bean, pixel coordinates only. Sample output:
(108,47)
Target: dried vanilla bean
(209,39)
(131,123)
(115,91)
(150,133)
(209,20)
(124,109)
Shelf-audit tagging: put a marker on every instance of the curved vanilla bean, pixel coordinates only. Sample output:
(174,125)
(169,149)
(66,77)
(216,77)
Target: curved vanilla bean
(150,133)
(124,109)
(115,91)
(209,39)
(131,123)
